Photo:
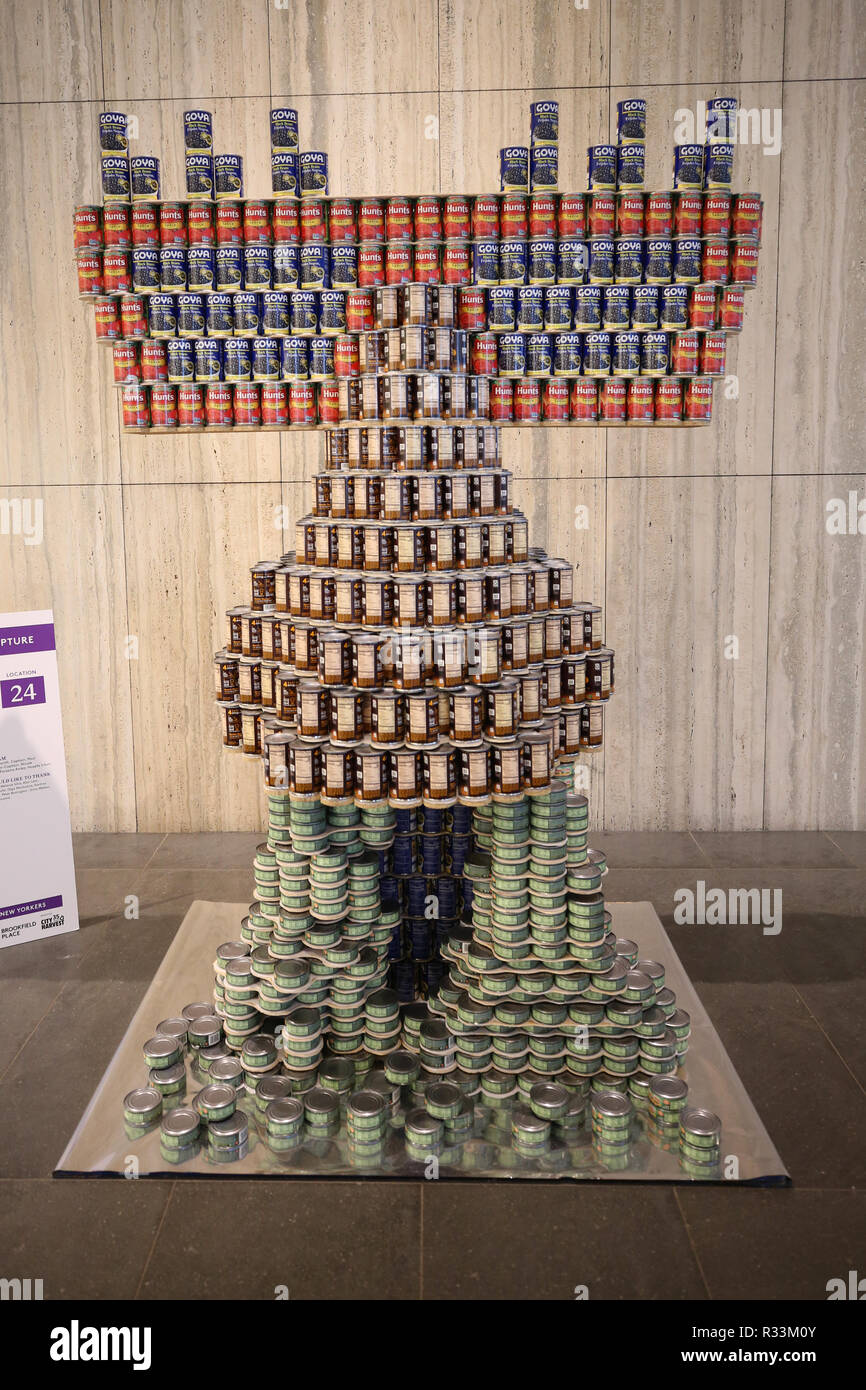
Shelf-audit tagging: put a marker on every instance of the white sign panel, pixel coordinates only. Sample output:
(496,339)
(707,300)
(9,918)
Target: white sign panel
(37,875)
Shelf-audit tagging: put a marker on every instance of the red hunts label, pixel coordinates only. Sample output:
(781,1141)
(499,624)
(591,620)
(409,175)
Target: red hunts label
(257,223)
(87,228)
(398,219)
(145,225)
(485,217)
(629,214)
(688,212)
(117,272)
(746,215)
(744,262)
(248,404)
(371,265)
(554,400)
(571,215)
(172,224)
(154,366)
(190,406)
(658,215)
(542,215)
(601,214)
(456,217)
(428,265)
(485,354)
(314,221)
(527,399)
(107,319)
(472,309)
(702,307)
(302,403)
(684,354)
(714,262)
(612,399)
(343,219)
(229,224)
(514,217)
(731,305)
(163,406)
(371,220)
(218,404)
(346,355)
(639,402)
(716,218)
(117,226)
(200,223)
(428,219)
(713,354)
(275,404)
(125,364)
(359,311)
(398,263)
(135,407)
(133,316)
(286,223)
(669,399)
(584,399)
(698,402)
(328,403)
(501,399)
(457,264)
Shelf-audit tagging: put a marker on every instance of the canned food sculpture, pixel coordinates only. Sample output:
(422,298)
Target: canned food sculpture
(428,958)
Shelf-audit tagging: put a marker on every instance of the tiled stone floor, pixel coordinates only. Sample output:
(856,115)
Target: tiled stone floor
(789,1009)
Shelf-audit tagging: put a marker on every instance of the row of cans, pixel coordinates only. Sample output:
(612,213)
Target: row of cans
(210,178)
(277,405)
(598,261)
(526,309)
(616,168)
(342,221)
(271,359)
(720,114)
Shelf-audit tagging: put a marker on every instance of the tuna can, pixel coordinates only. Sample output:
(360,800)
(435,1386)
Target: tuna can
(630,167)
(514,169)
(543,169)
(313,174)
(180,1127)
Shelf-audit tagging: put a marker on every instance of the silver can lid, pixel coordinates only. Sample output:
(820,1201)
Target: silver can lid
(444,1094)
(167,1076)
(696,1120)
(285,1112)
(611,1103)
(173,1028)
(523,1119)
(367,1103)
(213,1097)
(142,1101)
(233,1127)
(271,1088)
(161,1047)
(549,1095)
(193,1011)
(322,1104)
(338,1070)
(669,1088)
(420,1122)
(228,1070)
(182,1122)
(232,950)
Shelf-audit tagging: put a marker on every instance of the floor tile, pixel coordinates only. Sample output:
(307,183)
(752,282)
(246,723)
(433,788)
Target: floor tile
(649,849)
(838,1007)
(762,847)
(322,1240)
(852,843)
(214,851)
(533,1241)
(775,1243)
(83,1239)
(98,851)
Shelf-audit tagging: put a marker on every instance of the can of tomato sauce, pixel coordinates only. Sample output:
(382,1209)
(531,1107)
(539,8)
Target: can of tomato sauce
(688,213)
(87,228)
(302,403)
(398,263)
(514,217)
(126,364)
(747,215)
(163,406)
(457,263)
(715,262)
(248,405)
(328,403)
(428,218)
(154,361)
(658,215)
(612,395)
(91,281)
(457,217)
(542,215)
(554,399)
(630,214)
(639,400)
(698,398)
(343,221)
(275,405)
(744,262)
(584,399)
(716,215)
(501,399)
(229,224)
(684,354)
(201,224)
(712,354)
(286,223)
(257,222)
(218,410)
(117,225)
(133,316)
(527,400)
(571,215)
(600,214)
(190,406)
(472,310)
(371,220)
(702,307)
(371,264)
(106,319)
(669,398)
(485,218)
(346,355)
(359,311)
(135,408)
(172,224)
(730,308)
(428,263)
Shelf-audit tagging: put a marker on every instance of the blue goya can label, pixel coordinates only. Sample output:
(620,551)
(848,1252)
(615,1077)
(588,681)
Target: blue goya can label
(113,138)
(344,267)
(502,307)
(541,262)
(191,321)
(658,260)
(654,354)
(228,173)
(315,267)
(485,263)
(512,262)
(530,309)
(295,359)
(674,307)
(229,268)
(628,260)
(258,267)
(558,307)
(687,260)
(596,354)
(237,359)
(566,354)
(145,268)
(572,262)
(172,268)
(284,130)
(721,120)
(616,306)
(248,313)
(514,169)
(275,312)
(543,169)
(287,267)
(180,355)
(314,174)
(219,315)
(539,354)
(202,263)
(321,358)
(198,132)
(689,166)
(587,307)
(286,175)
(144,178)
(332,311)
(718,166)
(631,120)
(115,178)
(512,355)
(625,356)
(199,177)
(601,167)
(544,122)
(208,359)
(645,306)
(162,315)
(600,269)
(265,358)
(304,312)
(630,167)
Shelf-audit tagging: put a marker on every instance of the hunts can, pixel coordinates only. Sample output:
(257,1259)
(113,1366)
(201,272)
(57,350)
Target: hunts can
(135,408)
(684,353)
(715,264)
(371,265)
(457,217)
(145,227)
(154,360)
(230,224)
(172,224)
(472,309)
(218,406)
(746,215)
(201,224)
(629,214)
(712,354)
(669,399)
(744,262)
(702,307)
(554,400)
(716,215)
(698,398)
(514,217)
(428,219)
(658,215)
(247,405)
(639,402)
(359,311)
(612,395)
(133,315)
(542,215)
(106,316)
(125,363)
(371,220)
(688,214)
(584,399)
(90,275)
(275,405)
(731,304)
(571,215)
(485,217)
(399,221)
(343,221)
(527,400)
(117,225)
(163,406)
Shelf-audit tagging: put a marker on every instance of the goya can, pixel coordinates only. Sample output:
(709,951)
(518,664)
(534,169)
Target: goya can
(173,269)
(512,354)
(259,267)
(502,308)
(304,312)
(145,268)
(265,360)
(654,354)
(144,178)
(673,312)
(530,309)
(543,169)
(539,354)
(558,307)
(544,122)
(718,166)
(596,354)
(162,316)
(629,167)
(485,262)
(199,177)
(284,130)
(631,120)
(616,307)
(287,267)
(626,354)
(572,261)
(541,262)
(315,267)
(286,174)
(115,178)
(314,174)
(198,131)
(219,315)
(181,360)
(721,123)
(687,258)
(600,269)
(295,358)
(113,137)
(237,359)
(343,267)
(514,169)
(601,167)
(190,315)
(689,166)
(658,260)
(332,311)
(566,354)
(628,260)
(587,307)
(202,267)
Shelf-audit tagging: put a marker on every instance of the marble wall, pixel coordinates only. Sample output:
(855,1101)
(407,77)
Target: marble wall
(699,544)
